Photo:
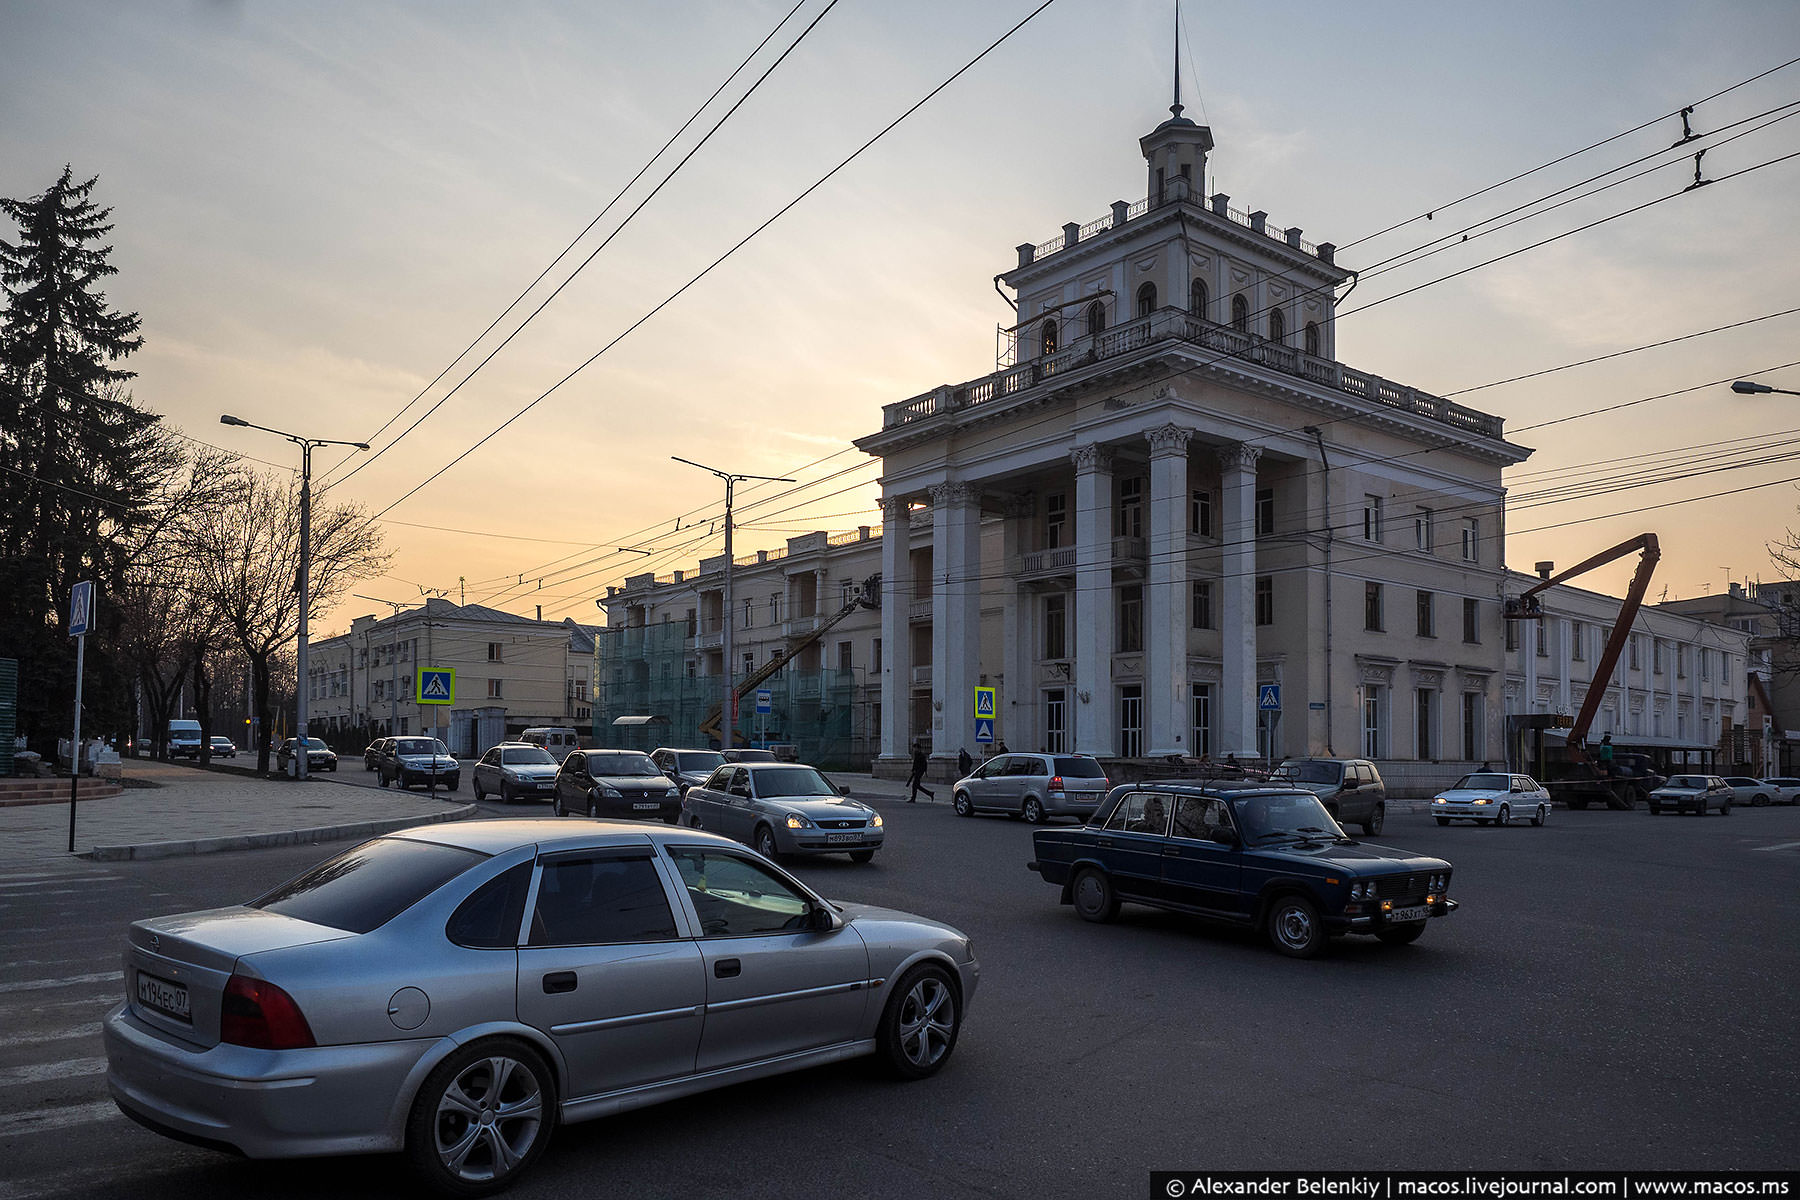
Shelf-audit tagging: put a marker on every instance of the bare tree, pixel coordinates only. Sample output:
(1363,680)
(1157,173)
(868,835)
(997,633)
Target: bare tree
(246,569)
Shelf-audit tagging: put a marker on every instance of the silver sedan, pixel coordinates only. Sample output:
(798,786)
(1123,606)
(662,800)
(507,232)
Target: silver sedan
(783,808)
(456,990)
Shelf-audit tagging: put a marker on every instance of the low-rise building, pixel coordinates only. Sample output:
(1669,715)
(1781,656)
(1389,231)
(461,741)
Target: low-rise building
(1770,614)
(512,673)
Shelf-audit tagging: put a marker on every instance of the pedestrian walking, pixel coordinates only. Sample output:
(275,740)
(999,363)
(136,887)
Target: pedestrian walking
(915,783)
(964,764)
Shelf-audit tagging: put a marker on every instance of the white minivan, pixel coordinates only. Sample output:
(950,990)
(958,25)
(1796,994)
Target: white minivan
(184,739)
(557,739)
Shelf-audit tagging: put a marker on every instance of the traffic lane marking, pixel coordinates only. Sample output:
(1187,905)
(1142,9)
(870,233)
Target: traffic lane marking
(1779,846)
(91,1029)
(46,1072)
(32,985)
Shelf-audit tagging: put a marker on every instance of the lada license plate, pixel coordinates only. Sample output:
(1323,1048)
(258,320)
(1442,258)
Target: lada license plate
(843,837)
(646,807)
(170,999)
(1416,913)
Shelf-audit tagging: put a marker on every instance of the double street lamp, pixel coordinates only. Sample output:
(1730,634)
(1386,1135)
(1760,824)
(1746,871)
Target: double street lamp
(307,446)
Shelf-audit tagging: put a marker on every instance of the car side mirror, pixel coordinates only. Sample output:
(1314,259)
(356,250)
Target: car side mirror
(821,919)
(1223,837)
(843,789)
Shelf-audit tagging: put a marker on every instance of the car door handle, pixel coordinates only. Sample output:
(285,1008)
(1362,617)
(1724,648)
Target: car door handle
(727,968)
(1172,852)
(559,981)
(1102,841)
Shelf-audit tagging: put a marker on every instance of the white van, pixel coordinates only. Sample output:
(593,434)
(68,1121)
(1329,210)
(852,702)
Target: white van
(184,739)
(557,739)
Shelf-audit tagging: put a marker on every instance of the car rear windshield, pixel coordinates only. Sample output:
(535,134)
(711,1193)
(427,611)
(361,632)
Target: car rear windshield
(699,760)
(792,781)
(365,888)
(621,764)
(535,755)
(1074,767)
(419,746)
(1310,772)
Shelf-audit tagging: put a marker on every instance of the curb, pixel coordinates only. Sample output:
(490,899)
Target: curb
(259,841)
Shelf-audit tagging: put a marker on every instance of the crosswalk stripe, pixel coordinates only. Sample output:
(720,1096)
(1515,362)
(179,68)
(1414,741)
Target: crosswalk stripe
(92,1029)
(1778,846)
(33,985)
(46,1119)
(45,1072)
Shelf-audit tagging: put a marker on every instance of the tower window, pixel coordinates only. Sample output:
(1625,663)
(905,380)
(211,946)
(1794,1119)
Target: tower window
(1277,326)
(1197,298)
(1049,346)
(1312,338)
(1096,317)
(1240,313)
(1146,300)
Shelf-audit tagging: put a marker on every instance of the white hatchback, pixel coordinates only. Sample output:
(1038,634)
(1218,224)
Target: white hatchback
(1492,798)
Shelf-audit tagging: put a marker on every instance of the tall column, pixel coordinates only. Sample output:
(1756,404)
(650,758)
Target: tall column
(1018,689)
(955,616)
(1565,663)
(1096,732)
(896,632)
(1237,606)
(1166,594)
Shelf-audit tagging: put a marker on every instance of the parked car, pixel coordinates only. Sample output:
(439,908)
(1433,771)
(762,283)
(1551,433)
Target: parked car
(1349,788)
(783,808)
(1491,798)
(418,761)
(1258,854)
(1789,787)
(1692,793)
(516,771)
(1757,793)
(614,783)
(1640,769)
(319,756)
(1033,786)
(405,1002)
(559,740)
(184,739)
(686,768)
(223,747)
(743,754)
(372,753)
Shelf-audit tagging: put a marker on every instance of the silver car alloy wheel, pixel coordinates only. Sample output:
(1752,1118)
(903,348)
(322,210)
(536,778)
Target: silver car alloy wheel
(927,1022)
(488,1119)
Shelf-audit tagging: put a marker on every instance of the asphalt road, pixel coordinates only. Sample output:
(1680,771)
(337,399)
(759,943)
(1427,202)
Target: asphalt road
(1618,991)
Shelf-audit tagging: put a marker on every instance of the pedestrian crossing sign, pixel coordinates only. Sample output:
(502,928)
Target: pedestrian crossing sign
(1268,697)
(984,703)
(437,685)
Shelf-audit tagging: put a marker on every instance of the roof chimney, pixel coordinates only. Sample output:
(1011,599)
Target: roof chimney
(1546,569)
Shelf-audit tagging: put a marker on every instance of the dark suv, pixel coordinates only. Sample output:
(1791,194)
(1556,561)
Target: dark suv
(1255,854)
(1349,788)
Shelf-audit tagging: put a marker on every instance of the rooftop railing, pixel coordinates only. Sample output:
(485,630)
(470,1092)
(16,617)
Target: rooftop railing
(1174,194)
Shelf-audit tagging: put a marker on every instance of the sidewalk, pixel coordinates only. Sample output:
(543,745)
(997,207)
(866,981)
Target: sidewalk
(197,812)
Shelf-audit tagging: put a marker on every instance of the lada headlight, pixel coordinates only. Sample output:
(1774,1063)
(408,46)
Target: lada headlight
(1440,800)
(1483,800)
(796,821)
(874,819)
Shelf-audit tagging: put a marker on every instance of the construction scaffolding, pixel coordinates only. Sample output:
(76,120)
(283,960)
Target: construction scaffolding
(642,671)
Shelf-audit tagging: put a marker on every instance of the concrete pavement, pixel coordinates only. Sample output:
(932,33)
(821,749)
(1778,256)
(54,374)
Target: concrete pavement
(191,811)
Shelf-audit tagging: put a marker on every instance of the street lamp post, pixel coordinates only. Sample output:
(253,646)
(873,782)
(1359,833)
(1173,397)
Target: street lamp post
(728,709)
(393,660)
(307,446)
(1746,387)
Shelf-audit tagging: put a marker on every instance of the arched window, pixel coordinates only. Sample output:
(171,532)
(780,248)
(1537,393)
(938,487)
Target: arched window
(1096,317)
(1240,313)
(1312,338)
(1197,298)
(1049,338)
(1277,325)
(1146,300)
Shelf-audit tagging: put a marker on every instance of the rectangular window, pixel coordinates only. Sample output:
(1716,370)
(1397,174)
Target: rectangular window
(1471,540)
(1512,634)
(1131,721)
(1200,512)
(494,692)
(1680,662)
(1372,607)
(1202,615)
(1577,638)
(750,664)
(1131,618)
(775,609)
(1129,519)
(747,611)
(1705,663)
(1056,625)
(1637,663)
(1425,706)
(693,623)
(1656,656)
(1056,521)
(1265,600)
(494,652)
(1471,620)
(1543,640)
(844,660)
(1056,721)
(1265,511)
(875,656)
(1422,529)
(1371,720)
(846,593)
(1427,615)
(1472,748)
(1371,518)
(1202,702)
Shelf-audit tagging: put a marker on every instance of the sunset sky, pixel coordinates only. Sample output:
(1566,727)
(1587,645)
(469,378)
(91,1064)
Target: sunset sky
(318,206)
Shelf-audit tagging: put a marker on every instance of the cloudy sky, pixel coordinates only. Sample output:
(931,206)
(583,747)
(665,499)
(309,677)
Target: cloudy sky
(319,206)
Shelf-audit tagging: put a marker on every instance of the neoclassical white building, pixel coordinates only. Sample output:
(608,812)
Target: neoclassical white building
(1172,495)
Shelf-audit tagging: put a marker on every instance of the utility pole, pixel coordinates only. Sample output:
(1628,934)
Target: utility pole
(728,725)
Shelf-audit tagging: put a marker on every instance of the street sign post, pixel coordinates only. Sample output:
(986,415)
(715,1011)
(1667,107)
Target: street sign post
(765,704)
(1268,697)
(984,716)
(436,685)
(81,619)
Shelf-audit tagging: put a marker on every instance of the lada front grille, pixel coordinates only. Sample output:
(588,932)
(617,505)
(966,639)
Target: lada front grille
(1403,889)
(840,824)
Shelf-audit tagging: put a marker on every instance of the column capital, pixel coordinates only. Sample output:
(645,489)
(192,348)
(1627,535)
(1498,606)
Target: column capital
(1091,457)
(954,493)
(1168,439)
(1238,456)
(895,509)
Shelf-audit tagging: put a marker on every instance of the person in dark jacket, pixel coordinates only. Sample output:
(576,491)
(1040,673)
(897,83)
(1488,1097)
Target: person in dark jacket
(915,783)
(964,764)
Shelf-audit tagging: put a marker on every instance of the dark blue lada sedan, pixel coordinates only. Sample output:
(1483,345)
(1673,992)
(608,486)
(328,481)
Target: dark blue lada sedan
(1251,854)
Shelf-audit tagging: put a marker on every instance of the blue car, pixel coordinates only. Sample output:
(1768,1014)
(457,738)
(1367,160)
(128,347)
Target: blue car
(1254,854)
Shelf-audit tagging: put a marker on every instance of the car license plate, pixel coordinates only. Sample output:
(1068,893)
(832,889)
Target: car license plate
(170,999)
(646,807)
(1417,913)
(843,837)
(543,787)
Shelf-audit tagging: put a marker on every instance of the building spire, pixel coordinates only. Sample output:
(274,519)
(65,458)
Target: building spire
(1175,108)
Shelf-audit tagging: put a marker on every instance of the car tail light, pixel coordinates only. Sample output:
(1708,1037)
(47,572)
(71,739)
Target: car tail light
(258,1014)
(1056,783)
